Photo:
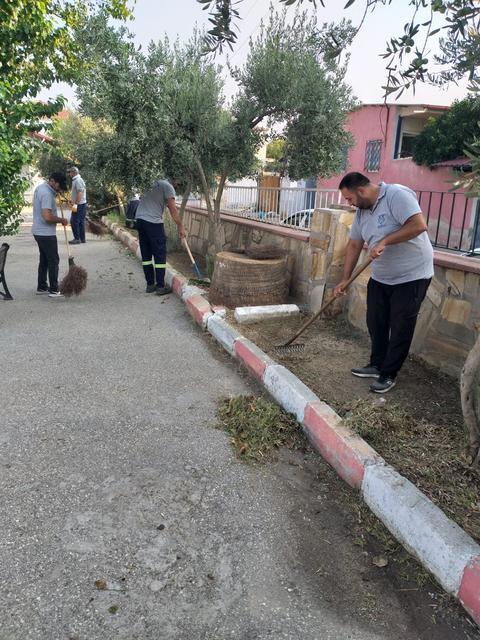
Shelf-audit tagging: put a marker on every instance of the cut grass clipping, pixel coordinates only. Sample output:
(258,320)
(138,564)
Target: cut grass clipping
(258,427)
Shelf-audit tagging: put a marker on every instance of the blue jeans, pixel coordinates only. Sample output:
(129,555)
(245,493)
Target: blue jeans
(77,220)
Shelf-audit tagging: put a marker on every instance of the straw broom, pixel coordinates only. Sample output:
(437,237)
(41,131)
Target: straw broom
(76,279)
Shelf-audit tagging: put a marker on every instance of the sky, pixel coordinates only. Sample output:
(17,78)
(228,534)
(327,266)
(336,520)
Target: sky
(366,70)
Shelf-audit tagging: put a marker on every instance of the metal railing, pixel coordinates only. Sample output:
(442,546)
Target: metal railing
(290,206)
(453,219)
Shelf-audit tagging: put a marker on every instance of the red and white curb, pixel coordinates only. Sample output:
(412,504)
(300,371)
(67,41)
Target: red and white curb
(437,542)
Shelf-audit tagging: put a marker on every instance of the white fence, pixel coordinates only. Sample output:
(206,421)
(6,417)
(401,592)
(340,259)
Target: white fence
(291,206)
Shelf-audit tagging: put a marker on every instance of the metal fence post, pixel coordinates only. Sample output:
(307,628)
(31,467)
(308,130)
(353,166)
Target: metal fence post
(475,230)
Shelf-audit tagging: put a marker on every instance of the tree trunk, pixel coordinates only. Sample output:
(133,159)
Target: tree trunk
(208,202)
(183,205)
(468,381)
(120,203)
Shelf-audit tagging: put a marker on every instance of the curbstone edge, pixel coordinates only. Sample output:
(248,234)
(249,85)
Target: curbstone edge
(346,452)
(254,359)
(424,530)
(288,390)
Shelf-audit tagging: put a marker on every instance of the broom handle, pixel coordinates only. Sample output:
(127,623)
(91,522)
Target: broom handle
(65,231)
(188,251)
(353,277)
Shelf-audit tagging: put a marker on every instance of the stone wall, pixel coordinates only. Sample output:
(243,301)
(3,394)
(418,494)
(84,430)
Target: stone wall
(446,327)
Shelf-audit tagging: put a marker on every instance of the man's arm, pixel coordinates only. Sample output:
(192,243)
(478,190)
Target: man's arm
(172,207)
(354,249)
(413,227)
(79,196)
(48,216)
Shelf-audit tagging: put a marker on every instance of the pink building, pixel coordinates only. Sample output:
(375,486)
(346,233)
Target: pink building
(383,136)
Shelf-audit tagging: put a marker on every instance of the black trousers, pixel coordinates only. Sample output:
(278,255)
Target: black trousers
(48,263)
(153,247)
(392,312)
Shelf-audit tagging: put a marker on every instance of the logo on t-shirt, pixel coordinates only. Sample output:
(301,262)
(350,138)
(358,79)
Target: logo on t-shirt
(381,221)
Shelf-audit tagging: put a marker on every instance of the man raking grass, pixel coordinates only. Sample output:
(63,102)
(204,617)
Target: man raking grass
(390,221)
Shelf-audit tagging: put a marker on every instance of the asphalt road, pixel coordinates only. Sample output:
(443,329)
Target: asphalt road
(123,512)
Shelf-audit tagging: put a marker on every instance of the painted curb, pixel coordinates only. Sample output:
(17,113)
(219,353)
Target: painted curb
(288,390)
(199,309)
(423,529)
(223,333)
(346,452)
(250,315)
(189,290)
(469,593)
(254,359)
(439,544)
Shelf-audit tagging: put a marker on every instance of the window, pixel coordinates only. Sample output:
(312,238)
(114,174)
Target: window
(372,155)
(406,145)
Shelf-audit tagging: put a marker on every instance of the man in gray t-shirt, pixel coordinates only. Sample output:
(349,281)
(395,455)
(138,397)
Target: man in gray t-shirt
(390,221)
(44,230)
(151,233)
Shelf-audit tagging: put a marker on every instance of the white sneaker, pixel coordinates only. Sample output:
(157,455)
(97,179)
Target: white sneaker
(56,295)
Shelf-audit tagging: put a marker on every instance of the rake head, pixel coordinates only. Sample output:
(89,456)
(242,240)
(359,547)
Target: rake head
(286,349)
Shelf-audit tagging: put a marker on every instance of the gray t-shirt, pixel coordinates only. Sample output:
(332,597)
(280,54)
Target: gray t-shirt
(78,184)
(43,198)
(152,204)
(402,262)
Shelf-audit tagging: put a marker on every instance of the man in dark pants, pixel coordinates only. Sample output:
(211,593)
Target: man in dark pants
(151,233)
(390,221)
(79,206)
(44,231)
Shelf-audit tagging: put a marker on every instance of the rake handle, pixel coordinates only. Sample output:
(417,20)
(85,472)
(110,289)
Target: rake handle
(353,277)
(192,260)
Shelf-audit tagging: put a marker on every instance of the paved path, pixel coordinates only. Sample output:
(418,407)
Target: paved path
(111,471)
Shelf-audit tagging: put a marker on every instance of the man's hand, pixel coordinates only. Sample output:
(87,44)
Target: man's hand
(377,250)
(181,231)
(340,289)
(64,221)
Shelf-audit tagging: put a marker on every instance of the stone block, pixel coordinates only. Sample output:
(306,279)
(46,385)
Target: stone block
(357,307)
(223,333)
(319,241)
(456,282)
(250,315)
(288,390)
(345,451)
(435,292)
(316,297)
(472,285)
(321,221)
(319,266)
(340,244)
(347,218)
(456,311)
(440,544)
(469,592)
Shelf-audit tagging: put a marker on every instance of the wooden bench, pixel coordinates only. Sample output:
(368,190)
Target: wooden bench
(3,258)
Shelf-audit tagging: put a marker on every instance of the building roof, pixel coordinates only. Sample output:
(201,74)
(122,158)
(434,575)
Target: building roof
(459,163)
(433,107)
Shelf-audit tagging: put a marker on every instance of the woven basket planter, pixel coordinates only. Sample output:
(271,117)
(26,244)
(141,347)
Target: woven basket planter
(240,281)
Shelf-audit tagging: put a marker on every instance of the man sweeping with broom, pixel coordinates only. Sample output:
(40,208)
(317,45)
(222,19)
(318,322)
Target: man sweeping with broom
(44,230)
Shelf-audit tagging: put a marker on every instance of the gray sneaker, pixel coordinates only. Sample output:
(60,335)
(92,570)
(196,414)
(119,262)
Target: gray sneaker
(42,292)
(163,291)
(382,385)
(57,295)
(366,372)
(151,288)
